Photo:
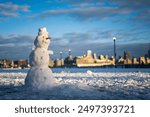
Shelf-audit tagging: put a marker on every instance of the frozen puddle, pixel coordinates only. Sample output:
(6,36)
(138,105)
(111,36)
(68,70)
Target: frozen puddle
(87,85)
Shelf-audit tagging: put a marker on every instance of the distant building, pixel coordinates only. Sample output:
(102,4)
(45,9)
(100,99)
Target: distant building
(12,64)
(147,60)
(95,56)
(142,60)
(127,58)
(147,55)
(121,60)
(135,61)
(59,63)
(22,63)
(5,63)
(83,60)
(51,63)
(69,61)
(91,61)
(87,60)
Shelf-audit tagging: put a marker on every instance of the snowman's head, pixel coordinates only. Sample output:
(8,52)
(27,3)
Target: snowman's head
(42,40)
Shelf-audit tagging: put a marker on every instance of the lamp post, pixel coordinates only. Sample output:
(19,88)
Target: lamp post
(69,52)
(114,39)
(60,54)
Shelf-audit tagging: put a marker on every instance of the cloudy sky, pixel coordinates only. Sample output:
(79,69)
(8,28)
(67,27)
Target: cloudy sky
(78,25)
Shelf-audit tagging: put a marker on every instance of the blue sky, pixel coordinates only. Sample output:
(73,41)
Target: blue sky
(78,25)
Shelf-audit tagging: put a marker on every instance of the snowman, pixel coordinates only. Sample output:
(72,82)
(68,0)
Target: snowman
(40,75)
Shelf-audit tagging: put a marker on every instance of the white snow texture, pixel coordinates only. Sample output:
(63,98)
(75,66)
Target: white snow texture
(74,83)
(40,76)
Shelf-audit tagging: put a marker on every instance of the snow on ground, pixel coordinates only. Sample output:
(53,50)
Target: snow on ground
(86,84)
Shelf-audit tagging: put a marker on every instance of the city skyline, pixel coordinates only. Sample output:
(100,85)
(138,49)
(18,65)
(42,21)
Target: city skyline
(77,25)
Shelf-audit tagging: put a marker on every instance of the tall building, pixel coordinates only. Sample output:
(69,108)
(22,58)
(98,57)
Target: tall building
(94,56)
(127,58)
(126,55)
(89,53)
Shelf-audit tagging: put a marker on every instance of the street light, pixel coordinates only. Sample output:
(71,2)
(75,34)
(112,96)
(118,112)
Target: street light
(69,52)
(60,54)
(114,39)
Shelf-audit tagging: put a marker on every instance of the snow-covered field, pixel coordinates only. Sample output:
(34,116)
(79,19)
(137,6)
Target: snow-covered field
(75,83)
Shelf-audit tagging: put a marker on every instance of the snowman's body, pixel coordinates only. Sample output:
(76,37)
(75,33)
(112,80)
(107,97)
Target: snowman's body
(40,75)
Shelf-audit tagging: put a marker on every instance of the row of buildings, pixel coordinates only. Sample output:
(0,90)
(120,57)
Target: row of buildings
(22,63)
(92,60)
(88,60)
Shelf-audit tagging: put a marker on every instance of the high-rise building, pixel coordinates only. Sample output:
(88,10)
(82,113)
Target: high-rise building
(89,53)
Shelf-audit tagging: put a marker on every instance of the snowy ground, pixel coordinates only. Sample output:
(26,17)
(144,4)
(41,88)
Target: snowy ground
(80,84)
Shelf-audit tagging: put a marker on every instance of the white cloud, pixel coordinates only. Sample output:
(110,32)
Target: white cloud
(97,10)
(87,13)
(14,7)
(8,14)
(9,9)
